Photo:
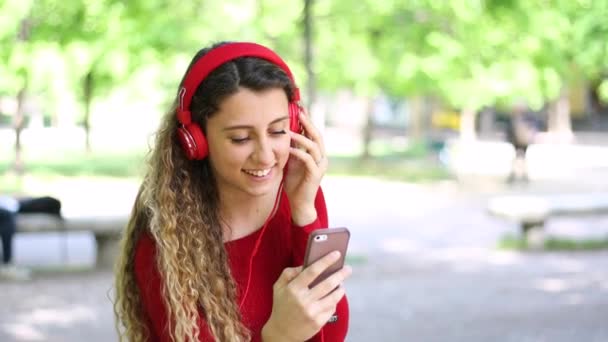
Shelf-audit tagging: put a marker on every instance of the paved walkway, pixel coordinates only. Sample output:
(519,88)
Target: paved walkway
(481,297)
(425,270)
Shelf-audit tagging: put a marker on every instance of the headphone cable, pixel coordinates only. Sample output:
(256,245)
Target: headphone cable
(257,244)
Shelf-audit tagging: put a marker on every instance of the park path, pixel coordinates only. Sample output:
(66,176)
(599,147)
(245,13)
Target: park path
(425,269)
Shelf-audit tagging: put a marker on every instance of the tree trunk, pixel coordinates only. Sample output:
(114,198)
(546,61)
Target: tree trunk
(88,95)
(368,128)
(374,36)
(467,124)
(308,59)
(486,122)
(19,119)
(416,109)
(428,109)
(559,121)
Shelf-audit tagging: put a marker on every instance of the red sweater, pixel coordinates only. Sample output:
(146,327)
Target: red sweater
(282,245)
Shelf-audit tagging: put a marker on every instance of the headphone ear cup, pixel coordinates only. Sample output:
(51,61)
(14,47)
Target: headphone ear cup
(294,121)
(187,142)
(193,142)
(202,148)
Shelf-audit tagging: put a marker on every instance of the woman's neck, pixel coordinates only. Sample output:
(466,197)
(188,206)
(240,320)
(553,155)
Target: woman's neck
(243,215)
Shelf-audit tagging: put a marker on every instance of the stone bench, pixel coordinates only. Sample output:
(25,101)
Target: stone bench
(531,212)
(106,229)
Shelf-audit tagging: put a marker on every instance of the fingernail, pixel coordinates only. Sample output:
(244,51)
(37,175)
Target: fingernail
(335,254)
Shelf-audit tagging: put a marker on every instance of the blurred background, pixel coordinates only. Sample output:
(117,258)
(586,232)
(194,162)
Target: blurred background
(467,140)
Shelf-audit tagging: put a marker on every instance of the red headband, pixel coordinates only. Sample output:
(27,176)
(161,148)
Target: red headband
(215,58)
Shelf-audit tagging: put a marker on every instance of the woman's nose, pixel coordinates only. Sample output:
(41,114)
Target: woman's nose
(264,154)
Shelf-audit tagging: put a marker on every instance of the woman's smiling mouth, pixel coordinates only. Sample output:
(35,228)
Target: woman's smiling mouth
(258,173)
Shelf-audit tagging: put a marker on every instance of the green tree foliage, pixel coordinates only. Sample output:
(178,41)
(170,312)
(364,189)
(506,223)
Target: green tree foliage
(468,53)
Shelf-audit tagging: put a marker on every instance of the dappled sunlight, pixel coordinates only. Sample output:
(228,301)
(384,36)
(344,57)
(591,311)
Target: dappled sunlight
(400,245)
(23,332)
(580,270)
(568,283)
(568,265)
(504,258)
(31,326)
(63,317)
(553,285)
(459,259)
(473,259)
(479,255)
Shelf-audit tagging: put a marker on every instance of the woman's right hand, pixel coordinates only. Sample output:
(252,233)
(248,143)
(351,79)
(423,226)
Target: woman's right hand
(298,312)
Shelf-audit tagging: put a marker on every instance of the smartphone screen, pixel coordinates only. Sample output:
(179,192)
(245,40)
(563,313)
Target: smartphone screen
(322,242)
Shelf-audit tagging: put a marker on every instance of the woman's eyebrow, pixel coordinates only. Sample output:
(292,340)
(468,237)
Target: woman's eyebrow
(229,128)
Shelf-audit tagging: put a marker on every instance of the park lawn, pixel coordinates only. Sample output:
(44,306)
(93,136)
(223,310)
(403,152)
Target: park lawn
(511,242)
(54,173)
(45,171)
(388,168)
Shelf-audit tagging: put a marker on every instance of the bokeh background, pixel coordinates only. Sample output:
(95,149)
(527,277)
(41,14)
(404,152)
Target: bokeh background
(417,101)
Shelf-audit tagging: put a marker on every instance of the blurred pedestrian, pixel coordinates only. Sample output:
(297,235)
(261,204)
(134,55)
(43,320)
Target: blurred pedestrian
(521,133)
(218,231)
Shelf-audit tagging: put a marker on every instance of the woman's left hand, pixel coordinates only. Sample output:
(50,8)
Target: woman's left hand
(306,166)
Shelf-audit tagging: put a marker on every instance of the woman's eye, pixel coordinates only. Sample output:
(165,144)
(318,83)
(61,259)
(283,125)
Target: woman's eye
(239,140)
(278,132)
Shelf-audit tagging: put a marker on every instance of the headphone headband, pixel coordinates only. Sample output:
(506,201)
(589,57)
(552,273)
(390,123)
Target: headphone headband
(215,58)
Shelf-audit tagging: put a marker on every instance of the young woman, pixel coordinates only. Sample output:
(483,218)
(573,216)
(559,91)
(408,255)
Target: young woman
(218,231)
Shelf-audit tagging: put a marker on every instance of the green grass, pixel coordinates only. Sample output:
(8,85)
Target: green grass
(54,270)
(355,259)
(72,164)
(10,184)
(389,167)
(511,242)
(410,164)
(44,173)
(413,150)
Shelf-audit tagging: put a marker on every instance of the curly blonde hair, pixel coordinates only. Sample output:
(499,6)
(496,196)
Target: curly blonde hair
(177,205)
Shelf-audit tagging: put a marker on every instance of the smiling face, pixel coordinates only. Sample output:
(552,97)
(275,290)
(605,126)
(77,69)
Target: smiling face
(248,142)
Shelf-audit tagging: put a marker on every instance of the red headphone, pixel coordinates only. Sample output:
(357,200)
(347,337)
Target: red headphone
(189,133)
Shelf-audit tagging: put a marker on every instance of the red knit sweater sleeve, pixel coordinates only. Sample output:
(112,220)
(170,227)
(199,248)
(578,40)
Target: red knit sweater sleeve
(336,329)
(300,233)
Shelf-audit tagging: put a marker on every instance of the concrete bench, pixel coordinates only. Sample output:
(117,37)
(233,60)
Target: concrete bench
(106,229)
(531,212)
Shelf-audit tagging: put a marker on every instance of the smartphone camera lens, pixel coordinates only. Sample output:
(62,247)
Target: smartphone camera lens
(322,237)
